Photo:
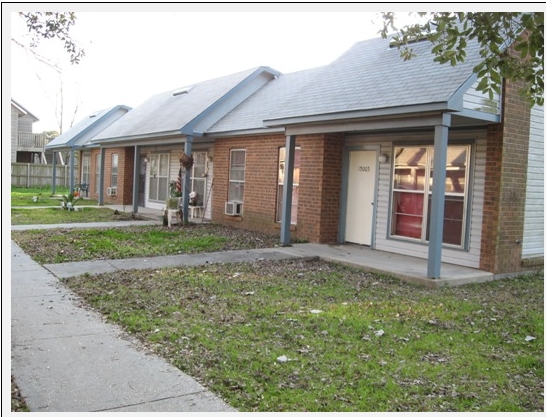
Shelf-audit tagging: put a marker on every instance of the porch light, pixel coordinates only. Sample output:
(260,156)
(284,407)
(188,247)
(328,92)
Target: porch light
(383,158)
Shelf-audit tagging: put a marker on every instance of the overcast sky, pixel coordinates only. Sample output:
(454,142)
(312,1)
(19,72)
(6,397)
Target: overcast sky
(131,56)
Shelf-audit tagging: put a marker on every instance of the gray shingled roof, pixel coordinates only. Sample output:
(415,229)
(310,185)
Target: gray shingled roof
(371,75)
(165,113)
(83,131)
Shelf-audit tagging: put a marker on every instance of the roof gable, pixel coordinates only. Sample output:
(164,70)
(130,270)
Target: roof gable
(264,102)
(22,111)
(178,112)
(82,132)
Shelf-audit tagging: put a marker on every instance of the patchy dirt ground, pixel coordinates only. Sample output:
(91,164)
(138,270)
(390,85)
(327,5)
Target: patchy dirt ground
(75,245)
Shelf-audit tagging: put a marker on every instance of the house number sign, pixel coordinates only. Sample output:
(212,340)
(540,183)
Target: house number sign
(363,168)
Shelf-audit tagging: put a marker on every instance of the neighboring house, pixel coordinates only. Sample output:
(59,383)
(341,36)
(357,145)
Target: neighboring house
(26,146)
(345,154)
(77,139)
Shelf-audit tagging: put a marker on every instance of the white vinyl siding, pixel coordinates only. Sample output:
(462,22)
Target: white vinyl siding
(478,101)
(533,231)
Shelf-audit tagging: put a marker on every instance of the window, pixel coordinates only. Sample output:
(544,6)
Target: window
(198,176)
(114,172)
(86,168)
(236,190)
(412,191)
(295,186)
(159,177)
(97,173)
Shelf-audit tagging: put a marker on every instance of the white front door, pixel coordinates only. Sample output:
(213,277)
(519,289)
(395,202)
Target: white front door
(360,197)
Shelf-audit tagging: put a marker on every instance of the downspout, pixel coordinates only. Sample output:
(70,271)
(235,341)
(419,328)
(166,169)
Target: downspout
(438,198)
(287,190)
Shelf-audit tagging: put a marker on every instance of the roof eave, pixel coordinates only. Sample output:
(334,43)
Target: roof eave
(360,114)
(170,135)
(245,132)
(67,144)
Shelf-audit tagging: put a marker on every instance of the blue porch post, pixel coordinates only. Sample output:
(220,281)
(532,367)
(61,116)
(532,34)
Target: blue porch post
(186,180)
(101,177)
(136,175)
(54,162)
(71,169)
(287,189)
(436,230)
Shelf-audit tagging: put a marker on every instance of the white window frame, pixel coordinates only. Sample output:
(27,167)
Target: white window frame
(97,173)
(86,169)
(295,185)
(426,193)
(199,177)
(114,170)
(156,168)
(236,183)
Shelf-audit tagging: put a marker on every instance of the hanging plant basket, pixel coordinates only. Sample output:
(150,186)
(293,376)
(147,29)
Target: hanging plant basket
(186,161)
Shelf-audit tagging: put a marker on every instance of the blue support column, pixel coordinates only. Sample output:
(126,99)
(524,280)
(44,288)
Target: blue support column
(436,228)
(101,177)
(186,180)
(136,182)
(54,179)
(71,169)
(287,189)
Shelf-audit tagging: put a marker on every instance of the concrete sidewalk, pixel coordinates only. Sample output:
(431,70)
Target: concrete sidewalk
(66,358)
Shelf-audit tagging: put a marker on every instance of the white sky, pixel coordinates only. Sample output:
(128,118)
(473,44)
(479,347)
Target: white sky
(136,50)
(131,56)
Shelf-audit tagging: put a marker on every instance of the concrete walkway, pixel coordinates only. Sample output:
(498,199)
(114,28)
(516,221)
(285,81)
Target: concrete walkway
(66,358)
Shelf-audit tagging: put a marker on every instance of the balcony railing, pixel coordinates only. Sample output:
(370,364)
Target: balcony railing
(32,141)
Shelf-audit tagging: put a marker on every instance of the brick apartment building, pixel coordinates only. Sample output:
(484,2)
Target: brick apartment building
(355,142)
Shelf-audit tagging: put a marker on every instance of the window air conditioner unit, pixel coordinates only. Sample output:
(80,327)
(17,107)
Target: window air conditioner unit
(111,191)
(233,208)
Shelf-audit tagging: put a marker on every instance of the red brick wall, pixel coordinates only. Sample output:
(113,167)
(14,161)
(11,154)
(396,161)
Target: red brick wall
(505,182)
(320,184)
(124,193)
(320,187)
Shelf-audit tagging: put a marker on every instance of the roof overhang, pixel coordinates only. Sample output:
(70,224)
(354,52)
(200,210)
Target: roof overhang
(392,122)
(141,139)
(402,117)
(22,110)
(360,114)
(246,132)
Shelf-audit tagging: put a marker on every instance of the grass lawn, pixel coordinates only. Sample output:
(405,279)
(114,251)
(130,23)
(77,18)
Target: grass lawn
(54,215)
(310,335)
(314,336)
(40,197)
